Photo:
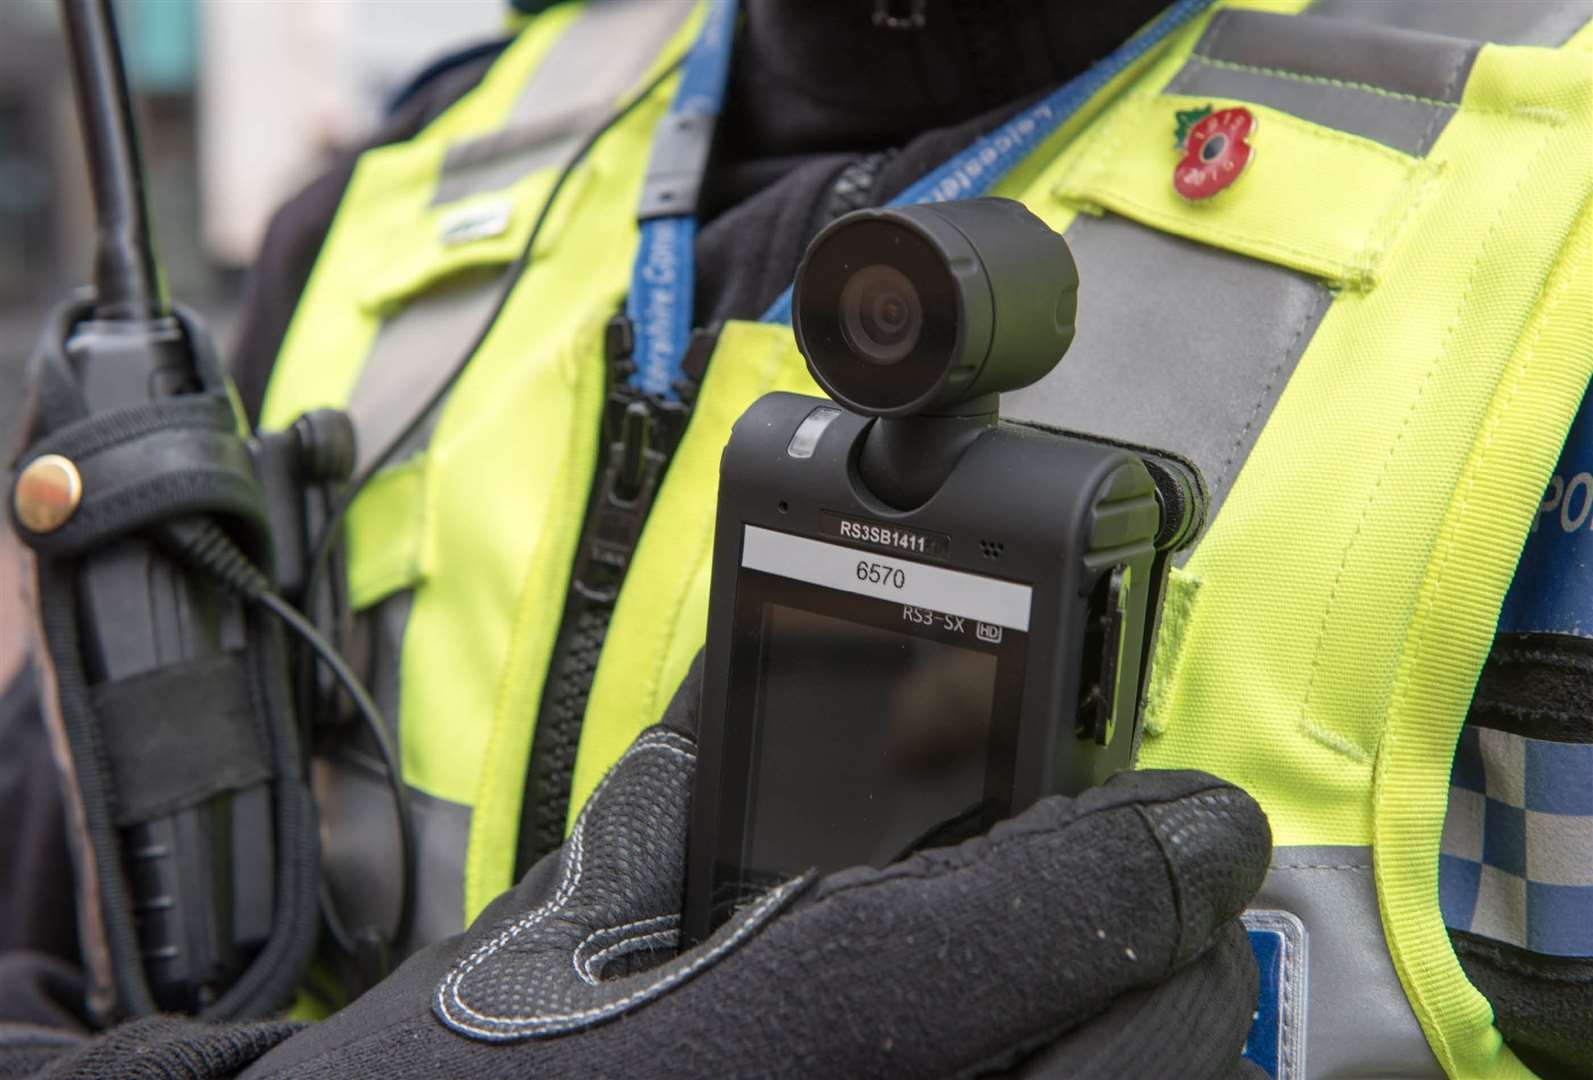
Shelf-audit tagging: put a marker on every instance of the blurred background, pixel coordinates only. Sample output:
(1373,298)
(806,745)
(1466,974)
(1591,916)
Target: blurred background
(240,103)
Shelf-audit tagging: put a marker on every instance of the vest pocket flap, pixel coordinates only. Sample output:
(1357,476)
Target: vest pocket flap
(483,232)
(1305,196)
(387,535)
(479,234)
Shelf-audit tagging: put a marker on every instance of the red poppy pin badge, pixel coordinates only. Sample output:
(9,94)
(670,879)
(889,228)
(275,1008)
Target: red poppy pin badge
(1216,150)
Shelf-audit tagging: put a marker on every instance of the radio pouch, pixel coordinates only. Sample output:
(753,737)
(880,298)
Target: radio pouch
(167,697)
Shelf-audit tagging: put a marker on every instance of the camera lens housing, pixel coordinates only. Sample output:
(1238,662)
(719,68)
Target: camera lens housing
(933,309)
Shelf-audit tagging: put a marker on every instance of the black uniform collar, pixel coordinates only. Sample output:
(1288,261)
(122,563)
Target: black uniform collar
(826,75)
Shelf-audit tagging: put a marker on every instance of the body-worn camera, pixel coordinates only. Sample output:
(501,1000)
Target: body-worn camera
(921,619)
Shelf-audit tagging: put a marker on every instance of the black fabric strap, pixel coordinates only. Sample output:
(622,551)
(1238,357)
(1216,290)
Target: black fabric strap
(1542,1004)
(144,464)
(179,735)
(1538,686)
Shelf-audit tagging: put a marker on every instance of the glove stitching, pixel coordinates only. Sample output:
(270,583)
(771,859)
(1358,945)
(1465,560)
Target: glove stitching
(450,1003)
(629,945)
(568,881)
(652,927)
(510,1027)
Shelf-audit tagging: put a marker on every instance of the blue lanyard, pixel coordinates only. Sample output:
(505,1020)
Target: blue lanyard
(661,284)
(659,304)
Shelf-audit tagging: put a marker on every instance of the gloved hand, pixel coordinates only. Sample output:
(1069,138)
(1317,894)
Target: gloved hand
(1093,936)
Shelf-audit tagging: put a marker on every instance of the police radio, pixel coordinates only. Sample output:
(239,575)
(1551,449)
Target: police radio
(922,619)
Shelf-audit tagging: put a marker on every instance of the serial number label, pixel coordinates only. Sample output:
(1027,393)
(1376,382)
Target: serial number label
(891,537)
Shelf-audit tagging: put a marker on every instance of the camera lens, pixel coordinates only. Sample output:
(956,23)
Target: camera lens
(881,314)
(895,309)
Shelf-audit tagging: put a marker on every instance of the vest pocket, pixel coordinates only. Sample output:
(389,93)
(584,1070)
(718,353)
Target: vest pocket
(1310,198)
(1337,117)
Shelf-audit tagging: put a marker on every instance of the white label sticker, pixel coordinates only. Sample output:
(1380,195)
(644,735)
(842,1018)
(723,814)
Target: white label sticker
(869,573)
(482,221)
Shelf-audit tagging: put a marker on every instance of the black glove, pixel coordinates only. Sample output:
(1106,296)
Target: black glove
(1087,937)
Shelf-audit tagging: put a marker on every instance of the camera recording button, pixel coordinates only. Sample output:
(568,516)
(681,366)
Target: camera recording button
(808,432)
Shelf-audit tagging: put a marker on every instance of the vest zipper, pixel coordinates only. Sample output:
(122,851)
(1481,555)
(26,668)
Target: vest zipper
(640,434)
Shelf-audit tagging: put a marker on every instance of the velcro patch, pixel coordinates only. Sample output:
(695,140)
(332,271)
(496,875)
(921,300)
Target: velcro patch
(1277,1033)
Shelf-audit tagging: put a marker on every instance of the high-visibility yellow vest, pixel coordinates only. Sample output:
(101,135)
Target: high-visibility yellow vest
(1373,342)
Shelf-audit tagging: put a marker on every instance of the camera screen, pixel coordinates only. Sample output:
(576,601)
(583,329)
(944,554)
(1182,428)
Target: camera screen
(862,726)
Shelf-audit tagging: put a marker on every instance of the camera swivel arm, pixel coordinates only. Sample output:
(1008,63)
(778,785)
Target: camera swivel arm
(898,317)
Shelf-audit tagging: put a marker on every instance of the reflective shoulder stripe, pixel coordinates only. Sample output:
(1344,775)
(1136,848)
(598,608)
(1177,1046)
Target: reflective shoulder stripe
(411,218)
(1505,22)
(1198,369)
(605,51)
(1398,90)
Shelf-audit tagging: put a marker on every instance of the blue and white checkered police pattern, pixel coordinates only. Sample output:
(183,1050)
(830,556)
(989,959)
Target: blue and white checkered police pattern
(1516,863)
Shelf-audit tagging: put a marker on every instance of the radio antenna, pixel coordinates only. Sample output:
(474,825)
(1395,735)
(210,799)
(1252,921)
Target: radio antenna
(127,280)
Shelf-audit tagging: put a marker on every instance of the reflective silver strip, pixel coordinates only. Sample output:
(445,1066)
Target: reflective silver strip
(605,50)
(385,624)
(1507,22)
(1357,1021)
(1185,347)
(1397,61)
(360,854)
(493,162)
(412,357)
(1397,87)
(602,54)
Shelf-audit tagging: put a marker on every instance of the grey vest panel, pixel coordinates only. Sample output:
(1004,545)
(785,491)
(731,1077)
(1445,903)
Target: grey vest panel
(1357,1020)
(493,162)
(1419,65)
(1333,73)
(360,853)
(1508,22)
(412,357)
(1179,346)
